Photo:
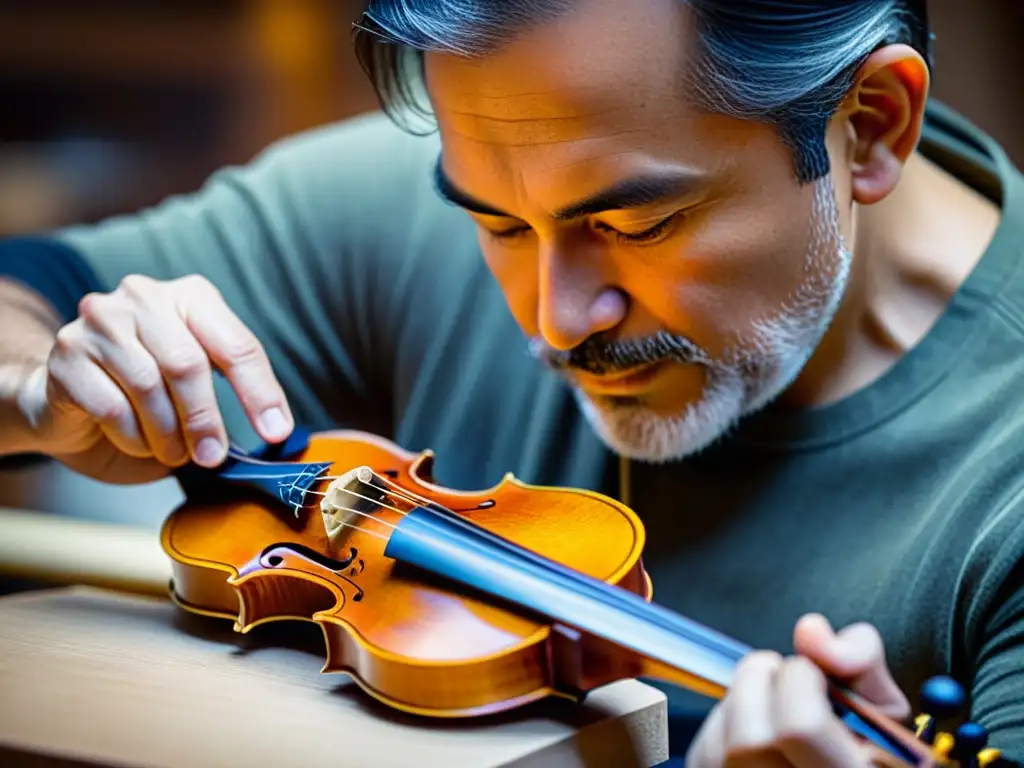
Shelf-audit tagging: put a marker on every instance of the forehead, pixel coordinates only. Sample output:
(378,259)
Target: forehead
(604,55)
(598,89)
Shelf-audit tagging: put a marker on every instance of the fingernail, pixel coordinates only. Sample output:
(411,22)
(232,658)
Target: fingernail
(209,452)
(274,424)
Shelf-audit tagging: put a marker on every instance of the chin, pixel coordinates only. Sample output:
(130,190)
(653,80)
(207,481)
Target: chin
(633,430)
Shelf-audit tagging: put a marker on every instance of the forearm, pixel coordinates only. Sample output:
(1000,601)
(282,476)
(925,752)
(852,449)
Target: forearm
(28,327)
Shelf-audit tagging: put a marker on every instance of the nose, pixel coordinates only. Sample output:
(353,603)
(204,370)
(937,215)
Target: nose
(575,297)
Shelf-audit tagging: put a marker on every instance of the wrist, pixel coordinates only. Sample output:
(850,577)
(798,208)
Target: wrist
(22,406)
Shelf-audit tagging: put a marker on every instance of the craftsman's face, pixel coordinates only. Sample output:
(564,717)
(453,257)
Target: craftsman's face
(667,261)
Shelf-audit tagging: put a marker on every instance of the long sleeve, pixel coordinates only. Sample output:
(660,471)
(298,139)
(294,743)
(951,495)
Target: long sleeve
(998,689)
(305,244)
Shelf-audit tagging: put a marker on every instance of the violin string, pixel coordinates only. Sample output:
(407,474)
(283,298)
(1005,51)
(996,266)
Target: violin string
(397,492)
(379,504)
(408,496)
(235,451)
(380,536)
(368,516)
(400,493)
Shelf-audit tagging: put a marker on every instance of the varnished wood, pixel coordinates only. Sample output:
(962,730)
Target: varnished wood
(416,646)
(414,642)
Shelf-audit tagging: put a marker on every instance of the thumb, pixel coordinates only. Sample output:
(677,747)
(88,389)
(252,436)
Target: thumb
(855,657)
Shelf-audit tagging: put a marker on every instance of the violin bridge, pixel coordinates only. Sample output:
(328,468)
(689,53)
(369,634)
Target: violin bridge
(347,499)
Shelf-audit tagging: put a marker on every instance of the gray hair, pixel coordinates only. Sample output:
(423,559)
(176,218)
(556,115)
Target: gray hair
(787,63)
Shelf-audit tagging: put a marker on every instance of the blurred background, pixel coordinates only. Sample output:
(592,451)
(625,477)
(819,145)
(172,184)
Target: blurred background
(107,106)
(110,105)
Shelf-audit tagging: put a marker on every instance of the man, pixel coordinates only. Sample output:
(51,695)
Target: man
(771,297)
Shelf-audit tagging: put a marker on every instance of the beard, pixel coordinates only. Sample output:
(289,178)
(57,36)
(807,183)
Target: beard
(744,379)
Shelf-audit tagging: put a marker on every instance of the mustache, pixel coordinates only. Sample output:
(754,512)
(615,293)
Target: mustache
(598,356)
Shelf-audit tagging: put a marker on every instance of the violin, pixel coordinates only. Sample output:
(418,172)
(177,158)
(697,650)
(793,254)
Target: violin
(446,603)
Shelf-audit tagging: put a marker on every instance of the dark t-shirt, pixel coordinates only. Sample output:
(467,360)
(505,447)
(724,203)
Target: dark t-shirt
(902,505)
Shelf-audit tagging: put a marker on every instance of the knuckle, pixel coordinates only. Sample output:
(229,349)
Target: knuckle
(202,419)
(760,661)
(802,670)
(136,287)
(867,634)
(112,411)
(865,641)
(87,304)
(184,363)
(98,307)
(68,338)
(143,377)
(243,350)
(199,284)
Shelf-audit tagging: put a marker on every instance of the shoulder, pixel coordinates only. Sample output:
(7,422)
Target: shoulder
(976,544)
(369,148)
(355,195)
(994,202)
(365,171)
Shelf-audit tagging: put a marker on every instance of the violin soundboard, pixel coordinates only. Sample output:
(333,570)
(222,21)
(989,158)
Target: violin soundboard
(89,677)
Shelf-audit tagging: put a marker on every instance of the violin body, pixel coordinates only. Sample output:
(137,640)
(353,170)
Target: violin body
(451,603)
(407,639)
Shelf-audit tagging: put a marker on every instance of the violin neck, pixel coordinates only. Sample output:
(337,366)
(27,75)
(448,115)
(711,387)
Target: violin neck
(658,643)
(447,545)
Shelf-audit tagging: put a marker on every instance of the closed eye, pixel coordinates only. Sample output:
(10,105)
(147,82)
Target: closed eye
(508,234)
(648,235)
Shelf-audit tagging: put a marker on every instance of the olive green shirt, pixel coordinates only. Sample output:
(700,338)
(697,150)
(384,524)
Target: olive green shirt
(902,505)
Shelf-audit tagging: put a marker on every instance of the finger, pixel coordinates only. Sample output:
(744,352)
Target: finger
(128,363)
(110,463)
(854,655)
(236,351)
(138,374)
(76,381)
(188,374)
(707,750)
(748,718)
(114,344)
(809,734)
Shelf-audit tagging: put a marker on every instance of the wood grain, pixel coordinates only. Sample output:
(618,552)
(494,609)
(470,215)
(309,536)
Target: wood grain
(89,675)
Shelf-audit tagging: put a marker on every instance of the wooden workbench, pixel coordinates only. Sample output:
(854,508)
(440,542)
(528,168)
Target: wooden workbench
(95,677)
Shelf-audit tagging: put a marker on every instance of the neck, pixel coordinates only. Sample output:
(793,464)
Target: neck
(912,251)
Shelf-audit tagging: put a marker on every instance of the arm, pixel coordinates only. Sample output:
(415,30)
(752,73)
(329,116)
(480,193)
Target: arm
(29,321)
(301,243)
(988,653)
(998,688)
(28,326)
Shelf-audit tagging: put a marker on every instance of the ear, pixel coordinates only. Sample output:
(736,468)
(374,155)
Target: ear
(885,112)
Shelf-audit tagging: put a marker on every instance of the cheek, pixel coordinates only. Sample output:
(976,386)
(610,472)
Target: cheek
(515,271)
(733,264)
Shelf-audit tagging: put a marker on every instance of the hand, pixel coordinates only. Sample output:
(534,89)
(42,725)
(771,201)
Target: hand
(777,713)
(127,392)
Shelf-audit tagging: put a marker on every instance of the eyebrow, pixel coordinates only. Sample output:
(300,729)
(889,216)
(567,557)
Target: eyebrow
(634,192)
